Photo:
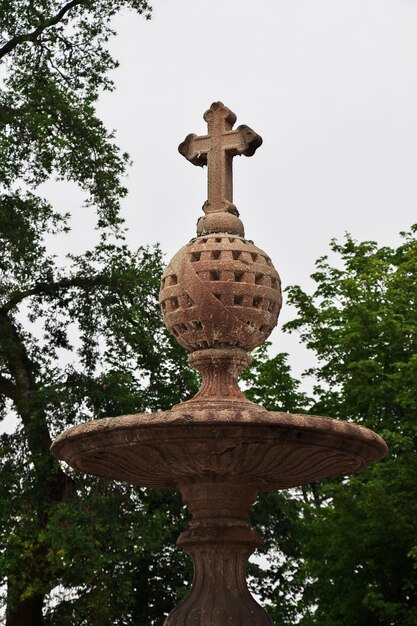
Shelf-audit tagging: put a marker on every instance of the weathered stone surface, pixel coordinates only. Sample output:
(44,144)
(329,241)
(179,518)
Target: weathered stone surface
(268,449)
(216,150)
(219,459)
(220,297)
(220,543)
(220,290)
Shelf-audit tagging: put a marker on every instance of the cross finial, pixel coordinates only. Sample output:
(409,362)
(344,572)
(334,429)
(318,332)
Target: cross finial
(216,150)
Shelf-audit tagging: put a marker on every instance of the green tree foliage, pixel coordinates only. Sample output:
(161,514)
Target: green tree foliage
(276,515)
(360,534)
(78,340)
(269,382)
(55,65)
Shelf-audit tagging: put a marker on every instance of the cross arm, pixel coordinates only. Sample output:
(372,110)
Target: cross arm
(195,149)
(243,140)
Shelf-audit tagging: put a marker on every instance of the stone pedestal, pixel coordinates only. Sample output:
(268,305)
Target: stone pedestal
(219,459)
(220,541)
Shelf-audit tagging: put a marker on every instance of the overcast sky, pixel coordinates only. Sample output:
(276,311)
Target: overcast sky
(330,85)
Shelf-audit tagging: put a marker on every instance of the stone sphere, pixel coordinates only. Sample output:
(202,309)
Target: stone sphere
(219,291)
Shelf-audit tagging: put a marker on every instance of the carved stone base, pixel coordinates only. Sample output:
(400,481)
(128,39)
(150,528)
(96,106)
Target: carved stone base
(220,541)
(219,371)
(219,458)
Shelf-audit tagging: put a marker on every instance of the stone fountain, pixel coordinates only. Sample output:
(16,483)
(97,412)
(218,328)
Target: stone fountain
(220,296)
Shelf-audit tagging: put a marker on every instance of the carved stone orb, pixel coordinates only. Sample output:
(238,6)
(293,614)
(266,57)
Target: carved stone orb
(220,291)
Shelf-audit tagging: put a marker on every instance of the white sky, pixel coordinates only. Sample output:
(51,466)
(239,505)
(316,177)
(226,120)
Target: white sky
(330,85)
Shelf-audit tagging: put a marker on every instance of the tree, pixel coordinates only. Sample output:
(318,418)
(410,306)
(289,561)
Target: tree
(277,516)
(360,534)
(78,340)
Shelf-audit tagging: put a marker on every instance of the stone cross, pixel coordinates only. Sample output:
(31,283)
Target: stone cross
(216,150)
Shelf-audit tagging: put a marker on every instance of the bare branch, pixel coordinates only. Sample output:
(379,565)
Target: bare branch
(32,36)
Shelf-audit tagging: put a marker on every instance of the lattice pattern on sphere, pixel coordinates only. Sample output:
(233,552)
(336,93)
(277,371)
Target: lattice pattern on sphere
(220,290)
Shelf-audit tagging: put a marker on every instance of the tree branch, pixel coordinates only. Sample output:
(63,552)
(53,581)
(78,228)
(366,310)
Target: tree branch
(18,363)
(125,308)
(7,388)
(56,484)
(53,288)
(32,36)
(5,109)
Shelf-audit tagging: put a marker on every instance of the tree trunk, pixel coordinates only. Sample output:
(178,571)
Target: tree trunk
(27,613)
(53,484)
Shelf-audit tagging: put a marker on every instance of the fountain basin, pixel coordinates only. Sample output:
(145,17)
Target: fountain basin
(166,449)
